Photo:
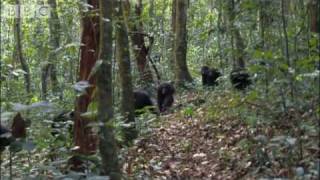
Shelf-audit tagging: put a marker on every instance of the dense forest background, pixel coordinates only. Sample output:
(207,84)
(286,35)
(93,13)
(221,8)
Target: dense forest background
(79,64)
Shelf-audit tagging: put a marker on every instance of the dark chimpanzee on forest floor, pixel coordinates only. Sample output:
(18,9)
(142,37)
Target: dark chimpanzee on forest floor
(142,100)
(17,130)
(209,76)
(5,137)
(240,79)
(63,122)
(165,96)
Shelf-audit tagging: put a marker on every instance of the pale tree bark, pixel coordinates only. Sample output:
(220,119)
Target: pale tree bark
(137,36)
(173,30)
(19,49)
(151,14)
(180,50)
(265,20)
(49,69)
(123,58)
(236,39)
(107,145)
(284,11)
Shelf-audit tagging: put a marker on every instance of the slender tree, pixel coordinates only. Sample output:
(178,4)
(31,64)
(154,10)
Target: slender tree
(19,48)
(49,68)
(236,39)
(107,145)
(173,30)
(314,8)
(264,23)
(284,10)
(83,136)
(180,45)
(123,58)
(137,36)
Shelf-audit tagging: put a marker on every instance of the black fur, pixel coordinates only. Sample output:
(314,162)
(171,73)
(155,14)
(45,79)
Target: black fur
(141,101)
(62,122)
(209,76)
(5,137)
(240,79)
(165,96)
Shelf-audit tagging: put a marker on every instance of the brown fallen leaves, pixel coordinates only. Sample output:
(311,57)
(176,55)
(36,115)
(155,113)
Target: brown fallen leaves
(189,145)
(184,148)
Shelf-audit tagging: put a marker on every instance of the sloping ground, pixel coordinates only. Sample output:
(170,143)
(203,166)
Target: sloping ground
(195,148)
(190,148)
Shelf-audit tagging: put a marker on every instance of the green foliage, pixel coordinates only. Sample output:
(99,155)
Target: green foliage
(188,112)
(284,94)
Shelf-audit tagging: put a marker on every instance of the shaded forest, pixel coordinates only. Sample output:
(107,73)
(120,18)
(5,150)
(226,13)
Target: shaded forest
(160,89)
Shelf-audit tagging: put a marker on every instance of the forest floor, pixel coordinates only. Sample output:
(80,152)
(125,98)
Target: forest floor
(189,147)
(221,135)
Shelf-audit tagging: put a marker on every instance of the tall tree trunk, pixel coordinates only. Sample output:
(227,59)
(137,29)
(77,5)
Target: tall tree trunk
(180,52)
(54,28)
(163,40)
(44,81)
(83,135)
(107,146)
(219,36)
(237,39)
(314,8)
(49,68)
(123,58)
(151,14)
(19,49)
(264,22)
(173,35)
(284,11)
(137,36)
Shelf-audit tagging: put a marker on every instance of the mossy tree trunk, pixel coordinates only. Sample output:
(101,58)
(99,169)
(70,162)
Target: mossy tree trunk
(19,49)
(137,36)
(123,58)
(180,45)
(49,68)
(107,142)
(237,41)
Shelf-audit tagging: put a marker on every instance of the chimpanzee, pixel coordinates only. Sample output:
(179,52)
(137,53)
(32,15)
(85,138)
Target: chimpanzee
(142,100)
(165,96)
(61,123)
(5,137)
(209,76)
(17,130)
(240,79)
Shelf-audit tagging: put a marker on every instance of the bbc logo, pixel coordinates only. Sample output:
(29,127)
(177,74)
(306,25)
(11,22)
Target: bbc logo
(25,11)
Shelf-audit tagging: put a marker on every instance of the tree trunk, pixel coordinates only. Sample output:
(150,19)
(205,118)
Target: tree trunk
(264,22)
(180,52)
(314,8)
(54,29)
(219,37)
(151,14)
(172,40)
(83,136)
(19,49)
(107,146)
(44,78)
(123,58)
(140,49)
(284,11)
(49,68)
(238,52)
